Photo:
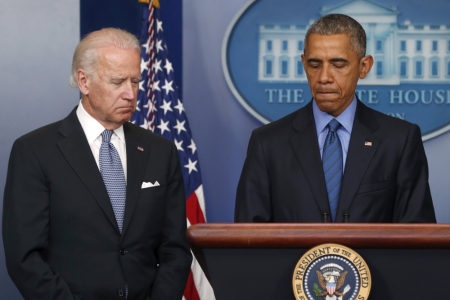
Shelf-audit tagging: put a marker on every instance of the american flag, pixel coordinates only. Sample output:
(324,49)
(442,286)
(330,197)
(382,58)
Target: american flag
(161,110)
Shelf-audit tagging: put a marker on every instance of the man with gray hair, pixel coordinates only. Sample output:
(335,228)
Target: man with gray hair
(94,206)
(335,160)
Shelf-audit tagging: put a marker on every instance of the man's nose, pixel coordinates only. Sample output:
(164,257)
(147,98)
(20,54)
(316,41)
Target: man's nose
(130,91)
(325,75)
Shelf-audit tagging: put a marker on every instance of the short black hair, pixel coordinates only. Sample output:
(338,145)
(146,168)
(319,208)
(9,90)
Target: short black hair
(340,24)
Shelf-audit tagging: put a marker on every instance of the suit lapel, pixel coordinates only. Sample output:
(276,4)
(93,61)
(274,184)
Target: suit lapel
(359,156)
(137,158)
(78,154)
(306,150)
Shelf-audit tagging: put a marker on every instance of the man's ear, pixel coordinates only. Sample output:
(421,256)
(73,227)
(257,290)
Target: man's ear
(83,82)
(365,64)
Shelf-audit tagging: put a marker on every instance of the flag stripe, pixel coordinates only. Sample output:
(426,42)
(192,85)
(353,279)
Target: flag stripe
(201,200)
(193,210)
(204,289)
(191,292)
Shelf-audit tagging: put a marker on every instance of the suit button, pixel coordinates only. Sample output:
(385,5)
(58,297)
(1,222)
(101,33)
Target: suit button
(122,251)
(121,293)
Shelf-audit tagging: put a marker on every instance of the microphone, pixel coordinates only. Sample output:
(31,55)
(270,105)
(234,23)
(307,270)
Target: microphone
(325,217)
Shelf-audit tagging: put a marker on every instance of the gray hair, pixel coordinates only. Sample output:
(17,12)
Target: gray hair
(86,54)
(340,24)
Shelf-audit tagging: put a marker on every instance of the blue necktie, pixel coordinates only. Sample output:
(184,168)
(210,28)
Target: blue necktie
(332,166)
(113,176)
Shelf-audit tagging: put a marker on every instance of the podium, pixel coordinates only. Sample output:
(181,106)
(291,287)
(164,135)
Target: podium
(257,261)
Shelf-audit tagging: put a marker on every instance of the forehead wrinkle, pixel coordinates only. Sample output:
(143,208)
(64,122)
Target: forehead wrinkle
(112,66)
(112,57)
(113,71)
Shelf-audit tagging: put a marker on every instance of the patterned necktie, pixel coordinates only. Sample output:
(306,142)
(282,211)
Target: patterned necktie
(113,176)
(332,166)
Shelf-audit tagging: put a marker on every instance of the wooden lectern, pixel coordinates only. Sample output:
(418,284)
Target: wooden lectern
(256,261)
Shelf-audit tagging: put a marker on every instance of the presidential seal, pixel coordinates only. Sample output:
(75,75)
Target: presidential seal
(331,272)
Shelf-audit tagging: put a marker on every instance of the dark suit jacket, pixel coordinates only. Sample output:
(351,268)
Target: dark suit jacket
(282,179)
(60,235)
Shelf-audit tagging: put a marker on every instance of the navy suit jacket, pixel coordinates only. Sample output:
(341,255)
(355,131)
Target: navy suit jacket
(385,180)
(60,235)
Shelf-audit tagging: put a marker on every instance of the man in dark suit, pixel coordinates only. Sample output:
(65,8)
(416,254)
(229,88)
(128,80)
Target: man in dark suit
(335,160)
(94,206)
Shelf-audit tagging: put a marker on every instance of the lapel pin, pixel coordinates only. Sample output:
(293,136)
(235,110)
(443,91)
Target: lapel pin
(368,144)
(140,148)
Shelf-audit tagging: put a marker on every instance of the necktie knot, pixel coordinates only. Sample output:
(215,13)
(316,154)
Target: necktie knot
(334,125)
(106,135)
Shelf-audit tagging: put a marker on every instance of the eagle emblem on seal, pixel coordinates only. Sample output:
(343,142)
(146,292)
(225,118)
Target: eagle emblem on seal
(331,279)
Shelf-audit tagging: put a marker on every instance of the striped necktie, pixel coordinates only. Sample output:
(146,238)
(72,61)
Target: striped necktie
(332,166)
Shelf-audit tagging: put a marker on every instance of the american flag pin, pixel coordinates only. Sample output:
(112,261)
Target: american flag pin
(368,144)
(140,148)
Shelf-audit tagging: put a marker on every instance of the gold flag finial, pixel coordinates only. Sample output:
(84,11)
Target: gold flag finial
(155,2)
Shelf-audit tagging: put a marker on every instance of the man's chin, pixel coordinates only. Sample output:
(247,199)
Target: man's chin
(324,103)
(126,116)
(127,119)
(327,106)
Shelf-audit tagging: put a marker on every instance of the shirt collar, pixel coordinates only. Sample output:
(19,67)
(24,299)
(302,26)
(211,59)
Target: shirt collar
(92,128)
(345,118)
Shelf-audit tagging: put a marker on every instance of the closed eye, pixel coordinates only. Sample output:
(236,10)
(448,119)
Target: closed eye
(314,65)
(339,66)
(339,62)
(117,82)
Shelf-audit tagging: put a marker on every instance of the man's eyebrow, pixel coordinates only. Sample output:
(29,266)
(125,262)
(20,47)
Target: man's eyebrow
(117,78)
(124,78)
(314,60)
(339,59)
(333,60)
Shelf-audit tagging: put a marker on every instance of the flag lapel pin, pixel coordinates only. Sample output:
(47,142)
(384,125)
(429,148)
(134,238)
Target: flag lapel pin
(369,144)
(140,148)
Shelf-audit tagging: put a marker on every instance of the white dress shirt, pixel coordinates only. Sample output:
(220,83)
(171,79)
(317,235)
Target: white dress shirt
(93,130)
